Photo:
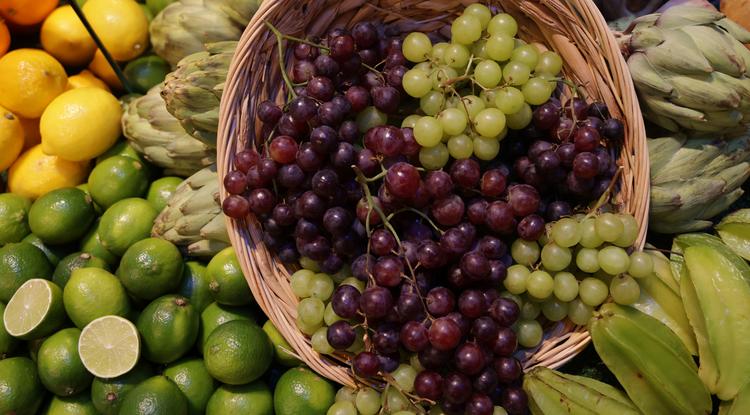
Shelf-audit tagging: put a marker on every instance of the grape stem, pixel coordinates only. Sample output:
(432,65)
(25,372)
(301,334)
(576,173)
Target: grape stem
(362,180)
(282,65)
(604,198)
(421,214)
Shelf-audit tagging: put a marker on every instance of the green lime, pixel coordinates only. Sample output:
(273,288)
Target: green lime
(117,178)
(191,376)
(227,282)
(59,366)
(72,262)
(168,328)
(35,310)
(282,349)
(109,347)
(158,5)
(92,293)
(237,352)
(147,71)
(20,262)
(72,405)
(121,148)
(217,314)
(62,215)
(125,223)
(161,190)
(34,345)
(21,393)
(14,211)
(8,343)
(155,396)
(107,394)
(53,252)
(151,268)
(302,391)
(85,188)
(252,399)
(92,244)
(194,285)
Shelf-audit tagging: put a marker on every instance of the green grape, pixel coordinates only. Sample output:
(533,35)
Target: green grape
(432,102)
(321,286)
(359,342)
(641,265)
(624,289)
(466,29)
(438,52)
(515,298)
(566,286)
(410,121)
(457,56)
(481,12)
(526,54)
(536,91)
(516,279)
(614,260)
(395,401)
(486,148)
(354,282)
(499,410)
(342,408)
(425,66)
(488,73)
(549,63)
(529,310)
(345,394)
(471,105)
(434,158)
(499,47)
(540,284)
(489,96)
(593,291)
(609,227)
(529,333)
(428,131)
(587,260)
(301,282)
(521,119)
(453,121)
(566,232)
(368,401)
(416,83)
(370,117)
(629,231)
(589,237)
(517,43)
(509,100)
(342,274)
(319,341)
(555,310)
(310,264)
(307,329)
(404,377)
(525,252)
(460,147)
(330,316)
(516,73)
(310,311)
(550,81)
(503,23)
(555,257)
(416,47)
(479,49)
(441,75)
(415,363)
(579,313)
(436,410)
(603,276)
(490,122)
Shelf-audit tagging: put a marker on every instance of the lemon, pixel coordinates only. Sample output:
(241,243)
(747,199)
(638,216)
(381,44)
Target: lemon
(301,391)
(81,124)
(65,37)
(108,394)
(35,173)
(29,80)
(109,347)
(21,393)
(14,212)
(31,134)
(92,293)
(251,399)
(168,328)
(11,138)
(59,366)
(101,68)
(36,310)
(121,25)
(72,405)
(85,79)
(191,376)
(238,352)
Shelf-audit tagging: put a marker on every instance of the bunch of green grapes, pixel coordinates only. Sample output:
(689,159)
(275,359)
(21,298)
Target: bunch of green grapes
(472,90)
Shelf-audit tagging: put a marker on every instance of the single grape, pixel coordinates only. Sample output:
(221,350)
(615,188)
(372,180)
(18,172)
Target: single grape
(434,158)
(432,102)
(549,63)
(466,29)
(486,148)
(624,289)
(536,91)
(370,117)
(416,47)
(609,227)
(629,232)
(589,237)
(579,313)
(457,56)
(428,131)
(641,265)
(566,232)
(489,122)
(444,334)
(310,311)
(516,73)
(346,394)
(503,23)
(442,76)
(593,291)
(488,73)
(301,283)
(368,401)
(453,121)
(540,285)
(530,310)
(456,387)
(587,260)
(481,12)
(404,377)
(429,385)
(555,257)
(321,286)
(520,119)
(613,260)
(529,333)
(320,343)
(402,180)
(236,206)
(416,83)
(526,54)
(410,121)
(516,280)
(460,147)
(555,310)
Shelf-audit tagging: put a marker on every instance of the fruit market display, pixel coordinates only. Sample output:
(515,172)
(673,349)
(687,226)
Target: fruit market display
(442,201)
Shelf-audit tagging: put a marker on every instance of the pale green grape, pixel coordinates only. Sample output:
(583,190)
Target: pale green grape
(521,119)
(479,49)
(517,43)
(359,342)
(321,286)
(641,265)
(629,231)
(434,158)
(549,63)
(499,47)
(516,279)
(438,52)
(486,148)
(529,310)
(453,121)
(310,311)
(566,286)
(416,83)
(471,105)
(589,237)
(525,252)
(488,73)
(489,122)
(425,66)
(503,23)
(593,291)
(410,121)
(603,276)
(342,274)
(489,96)
(368,401)
(415,363)
(319,341)
(416,47)
(566,232)
(436,410)
(550,81)
(370,117)
(556,257)
(540,284)
(466,29)
(428,131)
(587,260)
(404,377)
(516,73)
(614,260)
(457,56)
(529,333)
(330,316)
(536,91)
(624,289)
(310,264)
(460,147)
(509,100)
(395,401)
(301,282)
(481,12)
(342,408)
(499,410)
(432,102)
(441,75)
(609,227)
(345,394)
(526,54)
(308,329)
(554,310)
(579,313)
(354,282)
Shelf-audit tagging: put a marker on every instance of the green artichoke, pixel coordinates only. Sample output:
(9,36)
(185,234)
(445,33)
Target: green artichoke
(193,91)
(193,219)
(156,134)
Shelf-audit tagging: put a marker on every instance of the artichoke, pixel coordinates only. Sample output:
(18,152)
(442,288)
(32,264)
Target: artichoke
(193,91)
(193,219)
(690,68)
(155,133)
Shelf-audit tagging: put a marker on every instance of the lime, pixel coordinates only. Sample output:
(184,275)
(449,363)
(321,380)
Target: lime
(53,252)
(72,405)
(21,393)
(282,349)
(125,223)
(62,215)
(301,391)
(92,293)
(121,148)
(227,282)
(85,188)
(92,244)
(20,262)
(191,376)
(217,314)
(107,394)
(252,399)
(109,347)
(151,268)
(72,262)
(59,366)
(34,346)
(157,5)
(145,72)
(168,328)
(237,352)
(117,178)
(8,343)
(161,190)
(155,396)
(14,210)
(194,285)
(36,310)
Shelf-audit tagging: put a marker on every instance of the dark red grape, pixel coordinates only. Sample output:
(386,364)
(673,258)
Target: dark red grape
(491,247)
(434,359)
(310,206)
(465,173)
(358,97)
(546,116)
(430,255)
(444,334)
(448,211)
(291,126)
(576,108)
(366,364)
(475,266)
(236,206)
(395,59)
(613,129)
(477,211)
(471,303)
(515,401)
(394,75)
(305,51)
(486,381)
(386,339)
(531,227)
(290,176)
(414,336)
(428,385)
(283,214)
(485,329)
(303,71)
(341,47)
(439,184)
(362,267)
(578,185)
(325,183)
(283,149)
(523,200)
(369,57)
(246,159)
(372,80)
(386,98)
(402,180)
(388,271)
(261,201)
(365,34)
(586,139)
(463,322)
(593,122)
(469,231)
(469,359)
(564,129)
(456,387)
(508,369)
(267,169)
(505,311)
(235,182)
(348,131)
(479,404)
(306,229)
(332,264)
(269,112)
(586,165)
(505,343)
(337,221)
(345,301)
(499,217)
(326,66)
(382,242)
(440,301)
(344,156)
(319,249)
(566,152)
(598,109)
(409,305)
(558,209)
(454,242)
(410,146)
(493,183)
(340,335)
(376,302)
(367,162)
(538,147)
(320,88)
(521,165)
(548,161)
(365,213)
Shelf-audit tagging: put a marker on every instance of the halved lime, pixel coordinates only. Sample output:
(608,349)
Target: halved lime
(35,310)
(109,346)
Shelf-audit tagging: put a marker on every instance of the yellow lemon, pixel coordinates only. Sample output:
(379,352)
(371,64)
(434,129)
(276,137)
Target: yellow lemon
(84,79)
(81,124)
(64,37)
(121,24)
(29,80)
(35,173)
(11,138)
(31,135)
(100,67)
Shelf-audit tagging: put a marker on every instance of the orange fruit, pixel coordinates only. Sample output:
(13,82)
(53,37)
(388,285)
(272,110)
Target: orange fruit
(4,37)
(100,67)
(26,12)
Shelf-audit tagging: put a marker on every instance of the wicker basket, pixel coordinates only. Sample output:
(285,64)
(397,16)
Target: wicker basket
(573,28)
